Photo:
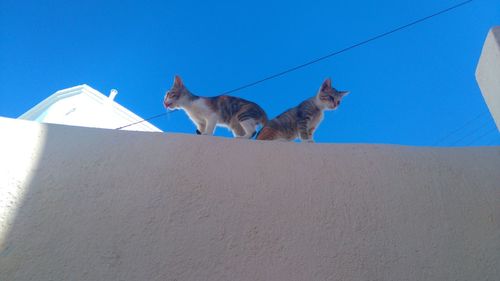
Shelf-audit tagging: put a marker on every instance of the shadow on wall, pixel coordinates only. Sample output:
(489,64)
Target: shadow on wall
(63,209)
(93,204)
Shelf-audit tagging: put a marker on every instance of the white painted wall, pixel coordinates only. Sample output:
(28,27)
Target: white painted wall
(91,204)
(488,73)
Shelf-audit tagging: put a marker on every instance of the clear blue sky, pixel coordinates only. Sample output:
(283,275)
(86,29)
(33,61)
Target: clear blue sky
(413,87)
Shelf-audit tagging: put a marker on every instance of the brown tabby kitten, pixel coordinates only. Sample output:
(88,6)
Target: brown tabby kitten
(302,120)
(239,115)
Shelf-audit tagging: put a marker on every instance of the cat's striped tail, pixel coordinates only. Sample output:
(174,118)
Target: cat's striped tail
(266,133)
(262,121)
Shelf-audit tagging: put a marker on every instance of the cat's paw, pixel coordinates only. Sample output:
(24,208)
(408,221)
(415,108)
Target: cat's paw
(198,132)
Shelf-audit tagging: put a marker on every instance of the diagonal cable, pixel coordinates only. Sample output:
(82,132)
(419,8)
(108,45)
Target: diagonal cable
(316,60)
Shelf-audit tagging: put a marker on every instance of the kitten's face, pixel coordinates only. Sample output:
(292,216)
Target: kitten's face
(175,96)
(329,97)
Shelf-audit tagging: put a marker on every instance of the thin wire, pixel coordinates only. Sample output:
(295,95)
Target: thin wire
(147,119)
(494,140)
(491,130)
(330,55)
(467,123)
(347,48)
(470,133)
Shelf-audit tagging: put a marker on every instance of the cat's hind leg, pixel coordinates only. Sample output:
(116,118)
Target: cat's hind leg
(249,126)
(237,129)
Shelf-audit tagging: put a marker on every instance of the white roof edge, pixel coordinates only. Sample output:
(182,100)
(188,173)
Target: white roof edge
(98,96)
(52,99)
(124,112)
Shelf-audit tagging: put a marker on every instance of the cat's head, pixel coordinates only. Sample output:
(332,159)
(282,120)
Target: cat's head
(329,97)
(177,96)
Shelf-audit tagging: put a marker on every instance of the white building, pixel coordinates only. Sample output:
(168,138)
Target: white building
(488,73)
(86,107)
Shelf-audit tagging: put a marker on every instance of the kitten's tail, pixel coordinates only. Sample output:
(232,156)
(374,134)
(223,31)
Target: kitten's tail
(266,133)
(256,134)
(263,121)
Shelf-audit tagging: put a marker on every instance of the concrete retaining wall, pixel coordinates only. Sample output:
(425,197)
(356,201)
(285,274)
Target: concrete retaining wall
(93,204)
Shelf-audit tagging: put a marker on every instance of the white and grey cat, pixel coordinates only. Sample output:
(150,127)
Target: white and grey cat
(301,121)
(239,115)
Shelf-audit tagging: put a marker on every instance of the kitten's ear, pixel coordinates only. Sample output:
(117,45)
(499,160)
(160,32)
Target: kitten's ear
(178,81)
(344,93)
(327,84)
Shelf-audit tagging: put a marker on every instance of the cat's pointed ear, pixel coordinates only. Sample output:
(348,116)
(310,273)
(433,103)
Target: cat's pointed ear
(327,84)
(344,93)
(178,81)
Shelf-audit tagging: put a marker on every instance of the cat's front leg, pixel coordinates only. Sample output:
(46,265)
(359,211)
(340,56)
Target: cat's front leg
(306,137)
(310,134)
(210,126)
(200,127)
(304,131)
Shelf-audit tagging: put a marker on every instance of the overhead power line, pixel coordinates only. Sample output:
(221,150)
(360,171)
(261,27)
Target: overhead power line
(347,48)
(467,123)
(484,125)
(491,130)
(147,119)
(332,54)
(495,139)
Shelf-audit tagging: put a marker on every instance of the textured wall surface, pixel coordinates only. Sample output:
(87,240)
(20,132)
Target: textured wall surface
(488,73)
(94,204)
